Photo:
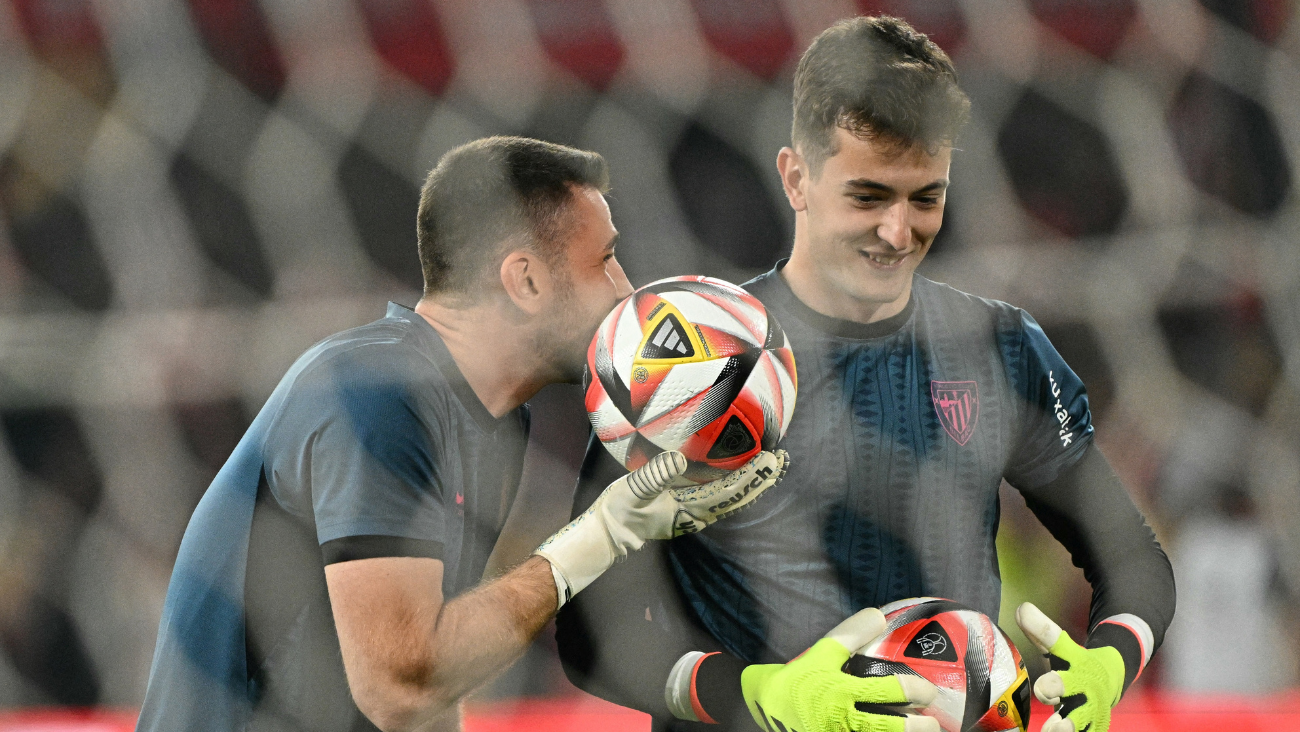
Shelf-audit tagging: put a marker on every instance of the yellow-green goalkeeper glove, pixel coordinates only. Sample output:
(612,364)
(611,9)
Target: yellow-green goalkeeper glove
(1084,683)
(812,693)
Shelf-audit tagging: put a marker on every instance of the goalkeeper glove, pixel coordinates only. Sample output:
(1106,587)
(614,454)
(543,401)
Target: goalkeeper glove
(813,694)
(1084,683)
(640,506)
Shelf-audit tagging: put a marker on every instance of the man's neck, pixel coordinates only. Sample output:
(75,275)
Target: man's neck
(812,289)
(495,357)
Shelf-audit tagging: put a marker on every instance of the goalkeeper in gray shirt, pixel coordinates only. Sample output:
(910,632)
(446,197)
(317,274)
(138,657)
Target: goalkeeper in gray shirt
(916,401)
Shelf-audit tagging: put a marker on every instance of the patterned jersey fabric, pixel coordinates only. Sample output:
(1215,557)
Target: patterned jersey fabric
(902,433)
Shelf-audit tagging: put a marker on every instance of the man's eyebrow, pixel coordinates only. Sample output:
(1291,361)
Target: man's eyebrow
(613,242)
(937,185)
(865,183)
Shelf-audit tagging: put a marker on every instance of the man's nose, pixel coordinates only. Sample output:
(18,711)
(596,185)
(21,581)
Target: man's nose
(622,288)
(896,230)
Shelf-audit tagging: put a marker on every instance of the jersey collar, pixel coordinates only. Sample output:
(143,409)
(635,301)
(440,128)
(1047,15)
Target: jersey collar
(772,286)
(431,344)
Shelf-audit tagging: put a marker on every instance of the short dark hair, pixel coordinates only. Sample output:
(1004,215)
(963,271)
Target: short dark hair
(880,79)
(484,193)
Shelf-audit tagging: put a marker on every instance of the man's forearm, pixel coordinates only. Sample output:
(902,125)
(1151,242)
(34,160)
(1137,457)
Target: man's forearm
(423,660)
(1088,510)
(481,632)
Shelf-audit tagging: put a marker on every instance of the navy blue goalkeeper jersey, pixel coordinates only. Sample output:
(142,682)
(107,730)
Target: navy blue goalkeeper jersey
(902,432)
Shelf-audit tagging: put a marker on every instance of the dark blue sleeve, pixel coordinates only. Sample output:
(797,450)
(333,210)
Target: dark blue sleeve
(371,460)
(1055,423)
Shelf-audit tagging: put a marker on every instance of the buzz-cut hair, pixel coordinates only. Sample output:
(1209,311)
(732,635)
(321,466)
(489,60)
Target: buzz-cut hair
(881,80)
(494,194)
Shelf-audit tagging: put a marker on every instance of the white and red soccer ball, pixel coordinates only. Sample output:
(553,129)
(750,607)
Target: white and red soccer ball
(693,364)
(981,680)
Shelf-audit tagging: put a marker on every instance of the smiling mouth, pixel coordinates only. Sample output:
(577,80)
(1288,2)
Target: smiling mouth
(886,261)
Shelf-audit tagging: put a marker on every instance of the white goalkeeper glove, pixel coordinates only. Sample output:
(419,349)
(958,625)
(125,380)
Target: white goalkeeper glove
(641,506)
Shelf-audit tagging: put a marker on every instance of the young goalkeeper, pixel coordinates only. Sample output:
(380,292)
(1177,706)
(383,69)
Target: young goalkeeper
(915,401)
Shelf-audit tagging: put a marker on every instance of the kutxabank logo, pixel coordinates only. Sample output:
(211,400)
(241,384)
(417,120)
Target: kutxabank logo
(958,406)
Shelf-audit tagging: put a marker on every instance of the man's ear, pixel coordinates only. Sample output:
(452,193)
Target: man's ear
(794,176)
(526,280)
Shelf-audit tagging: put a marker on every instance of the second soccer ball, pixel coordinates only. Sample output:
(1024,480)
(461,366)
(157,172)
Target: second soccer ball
(981,679)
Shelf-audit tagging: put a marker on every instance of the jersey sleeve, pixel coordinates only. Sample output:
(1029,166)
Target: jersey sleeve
(1055,425)
(1089,511)
(376,487)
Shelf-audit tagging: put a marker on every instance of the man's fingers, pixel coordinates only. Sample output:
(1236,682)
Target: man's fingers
(701,505)
(1049,688)
(920,692)
(861,721)
(1054,723)
(783,463)
(894,691)
(883,690)
(651,479)
(858,629)
(1038,628)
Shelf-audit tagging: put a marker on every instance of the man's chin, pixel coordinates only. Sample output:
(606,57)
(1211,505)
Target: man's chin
(878,293)
(877,286)
(571,376)
(571,363)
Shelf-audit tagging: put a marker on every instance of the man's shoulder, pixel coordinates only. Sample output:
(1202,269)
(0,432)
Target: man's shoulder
(377,368)
(930,292)
(927,291)
(763,285)
(941,302)
(386,349)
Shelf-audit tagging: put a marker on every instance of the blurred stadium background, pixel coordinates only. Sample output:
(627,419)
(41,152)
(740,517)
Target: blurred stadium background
(194,191)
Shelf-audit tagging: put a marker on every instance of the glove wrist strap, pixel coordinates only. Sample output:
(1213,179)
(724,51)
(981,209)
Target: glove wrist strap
(578,553)
(1124,633)
(563,592)
(679,692)
(705,687)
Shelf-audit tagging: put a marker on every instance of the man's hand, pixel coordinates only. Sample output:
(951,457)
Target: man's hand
(702,505)
(1084,683)
(640,507)
(812,693)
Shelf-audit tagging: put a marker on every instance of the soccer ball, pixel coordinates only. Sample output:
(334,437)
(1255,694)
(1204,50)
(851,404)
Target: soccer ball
(693,364)
(981,679)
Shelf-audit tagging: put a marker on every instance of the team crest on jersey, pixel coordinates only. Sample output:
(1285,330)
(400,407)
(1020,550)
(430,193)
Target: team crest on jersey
(958,405)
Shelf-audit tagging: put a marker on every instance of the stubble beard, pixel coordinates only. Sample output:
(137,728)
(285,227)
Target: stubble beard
(563,342)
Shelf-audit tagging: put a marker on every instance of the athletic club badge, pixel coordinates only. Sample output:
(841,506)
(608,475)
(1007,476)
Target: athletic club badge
(958,405)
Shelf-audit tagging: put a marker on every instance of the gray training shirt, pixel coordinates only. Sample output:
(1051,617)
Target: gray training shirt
(372,445)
